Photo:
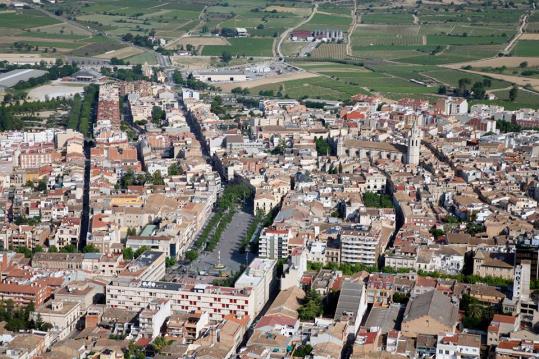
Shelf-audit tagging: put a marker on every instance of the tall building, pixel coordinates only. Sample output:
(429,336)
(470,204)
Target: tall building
(527,249)
(364,244)
(414,145)
(273,243)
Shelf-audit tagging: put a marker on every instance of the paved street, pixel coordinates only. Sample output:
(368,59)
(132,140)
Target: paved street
(231,257)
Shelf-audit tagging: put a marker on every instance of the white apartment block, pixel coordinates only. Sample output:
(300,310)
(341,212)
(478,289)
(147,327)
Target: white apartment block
(134,295)
(260,276)
(361,245)
(273,243)
(452,106)
(152,318)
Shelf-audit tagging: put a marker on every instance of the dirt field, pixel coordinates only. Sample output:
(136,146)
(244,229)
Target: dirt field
(10,39)
(529,36)
(192,62)
(67,29)
(521,81)
(25,58)
(54,90)
(121,53)
(513,61)
(203,40)
(302,11)
(268,80)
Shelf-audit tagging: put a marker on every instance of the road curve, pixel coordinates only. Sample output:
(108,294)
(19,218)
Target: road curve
(285,34)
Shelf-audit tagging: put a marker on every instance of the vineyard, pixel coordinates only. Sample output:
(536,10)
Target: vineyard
(532,27)
(326,51)
(383,35)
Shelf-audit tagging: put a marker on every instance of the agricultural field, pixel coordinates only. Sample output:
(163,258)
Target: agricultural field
(328,21)
(527,48)
(141,59)
(340,81)
(329,51)
(167,19)
(24,19)
(396,18)
(292,48)
(249,46)
(429,35)
(524,99)
(31,31)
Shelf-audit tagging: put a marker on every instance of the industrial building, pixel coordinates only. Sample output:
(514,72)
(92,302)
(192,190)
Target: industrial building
(11,78)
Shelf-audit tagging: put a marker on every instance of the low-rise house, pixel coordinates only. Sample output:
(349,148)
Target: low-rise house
(429,313)
(460,345)
(62,315)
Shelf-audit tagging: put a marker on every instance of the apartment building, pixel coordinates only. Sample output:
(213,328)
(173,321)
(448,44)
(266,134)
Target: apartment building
(363,244)
(273,243)
(260,276)
(218,302)
(149,265)
(62,315)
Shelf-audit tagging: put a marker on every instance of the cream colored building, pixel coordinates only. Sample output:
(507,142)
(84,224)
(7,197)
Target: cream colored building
(219,302)
(63,316)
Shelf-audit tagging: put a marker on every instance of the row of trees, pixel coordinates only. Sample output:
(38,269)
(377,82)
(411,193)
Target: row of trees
(189,82)
(465,88)
(232,196)
(129,254)
(12,115)
(17,319)
(371,199)
(133,74)
(83,110)
(131,179)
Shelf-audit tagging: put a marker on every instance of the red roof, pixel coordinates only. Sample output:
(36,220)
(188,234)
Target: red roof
(500,318)
(276,319)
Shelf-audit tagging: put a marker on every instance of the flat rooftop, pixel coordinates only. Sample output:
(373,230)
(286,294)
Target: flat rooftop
(11,78)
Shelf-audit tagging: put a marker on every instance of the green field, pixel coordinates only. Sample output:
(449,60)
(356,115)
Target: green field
(525,99)
(527,48)
(387,18)
(147,57)
(243,47)
(25,19)
(325,21)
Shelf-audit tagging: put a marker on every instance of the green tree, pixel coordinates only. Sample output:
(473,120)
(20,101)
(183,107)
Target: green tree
(169,262)
(322,147)
(160,343)
(158,115)
(478,90)
(53,249)
(174,169)
(157,179)
(42,185)
(191,255)
(301,351)
(226,57)
(69,249)
(90,248)
(513,94)
(128,253)
(139,251)
(311,307)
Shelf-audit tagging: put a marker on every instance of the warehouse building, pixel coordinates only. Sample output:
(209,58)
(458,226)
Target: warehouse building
(11,78)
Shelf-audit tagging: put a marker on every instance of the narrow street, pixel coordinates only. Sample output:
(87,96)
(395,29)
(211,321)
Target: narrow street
(85,217)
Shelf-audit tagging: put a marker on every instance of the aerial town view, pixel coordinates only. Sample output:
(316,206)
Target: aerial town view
(256,179)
